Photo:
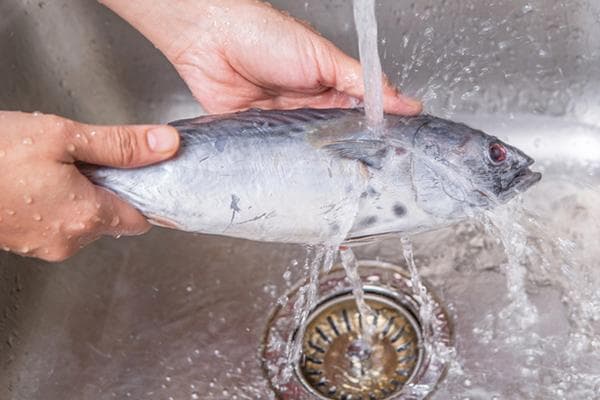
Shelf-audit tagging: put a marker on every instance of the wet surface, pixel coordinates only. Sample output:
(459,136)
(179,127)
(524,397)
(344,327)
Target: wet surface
(173,315)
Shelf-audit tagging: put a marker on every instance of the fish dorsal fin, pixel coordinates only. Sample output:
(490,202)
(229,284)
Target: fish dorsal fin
(370,152)
(255,119)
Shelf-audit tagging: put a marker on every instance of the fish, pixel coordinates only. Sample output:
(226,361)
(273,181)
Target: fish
(321,175)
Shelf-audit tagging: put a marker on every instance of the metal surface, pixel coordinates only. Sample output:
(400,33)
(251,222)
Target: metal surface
(332,365)
(338,360)
(173,315)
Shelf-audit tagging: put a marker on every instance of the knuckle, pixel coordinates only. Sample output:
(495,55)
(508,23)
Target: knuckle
(126,146)
(58,254)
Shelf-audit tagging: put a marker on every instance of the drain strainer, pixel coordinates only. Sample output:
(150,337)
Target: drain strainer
(337,361)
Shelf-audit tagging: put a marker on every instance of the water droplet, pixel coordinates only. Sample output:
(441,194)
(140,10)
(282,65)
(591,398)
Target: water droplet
(195,396)
(25,249)
(10,212)
(93,133)
(168,378)
(37,217)
(72,196)
(71,147)
(27,141)
(2,153)
(28,199)
(37,113)
(189,288)
(115,221)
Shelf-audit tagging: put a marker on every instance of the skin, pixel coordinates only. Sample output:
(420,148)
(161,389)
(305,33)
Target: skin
(233,54)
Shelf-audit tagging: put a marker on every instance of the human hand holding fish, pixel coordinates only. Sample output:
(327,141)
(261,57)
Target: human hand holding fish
(238,54)
(232,54)
(47,208)
(302,176)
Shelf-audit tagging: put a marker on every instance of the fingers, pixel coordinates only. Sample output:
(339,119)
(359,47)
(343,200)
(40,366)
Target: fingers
(345,75)
(125,146)
(118,217)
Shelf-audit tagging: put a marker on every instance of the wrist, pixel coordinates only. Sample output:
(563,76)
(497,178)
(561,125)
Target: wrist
(169,25)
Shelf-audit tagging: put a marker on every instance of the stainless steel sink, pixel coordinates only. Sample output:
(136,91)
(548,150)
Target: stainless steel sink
(179,316)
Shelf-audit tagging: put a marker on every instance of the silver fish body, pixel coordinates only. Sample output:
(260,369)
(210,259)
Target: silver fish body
(312,176)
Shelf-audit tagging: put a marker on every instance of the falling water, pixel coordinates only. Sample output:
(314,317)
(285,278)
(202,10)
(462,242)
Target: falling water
(419,291)
(514,239)
(350,264)
(366,28)
(319,259)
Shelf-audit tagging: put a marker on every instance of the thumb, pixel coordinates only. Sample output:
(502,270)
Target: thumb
(122,146)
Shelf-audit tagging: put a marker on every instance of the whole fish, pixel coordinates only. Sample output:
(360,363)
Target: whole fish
(312,176)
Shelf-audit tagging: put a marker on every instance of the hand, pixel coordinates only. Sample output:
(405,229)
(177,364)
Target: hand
(236,54)
(47,208)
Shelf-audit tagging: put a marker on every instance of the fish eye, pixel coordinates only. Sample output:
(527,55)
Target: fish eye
(497,153)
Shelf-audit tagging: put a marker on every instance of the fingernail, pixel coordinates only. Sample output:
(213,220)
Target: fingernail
(162,139)
(414,104)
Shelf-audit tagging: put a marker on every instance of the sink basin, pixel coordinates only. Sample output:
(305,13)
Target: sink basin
(171,315)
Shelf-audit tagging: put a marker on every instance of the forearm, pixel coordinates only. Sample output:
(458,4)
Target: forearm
(164,22)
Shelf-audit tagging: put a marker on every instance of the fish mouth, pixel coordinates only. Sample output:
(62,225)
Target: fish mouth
(522,181)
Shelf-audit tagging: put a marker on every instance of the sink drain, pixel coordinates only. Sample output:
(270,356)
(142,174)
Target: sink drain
(339,363)
(336,361)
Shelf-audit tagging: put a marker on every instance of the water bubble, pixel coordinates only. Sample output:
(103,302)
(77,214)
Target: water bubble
(168,378)
(37,113)
(27,141)
(28,199)
(37,217)
(287,275)
(71,148)
(115,221)
(189,288)
(9,211)
(72,196)
(195,396)
(93,133)
(2,153)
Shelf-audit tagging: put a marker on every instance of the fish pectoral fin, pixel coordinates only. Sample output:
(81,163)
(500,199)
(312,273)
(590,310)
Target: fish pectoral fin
(370,152)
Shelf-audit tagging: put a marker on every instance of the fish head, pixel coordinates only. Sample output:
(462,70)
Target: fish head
(456,169)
